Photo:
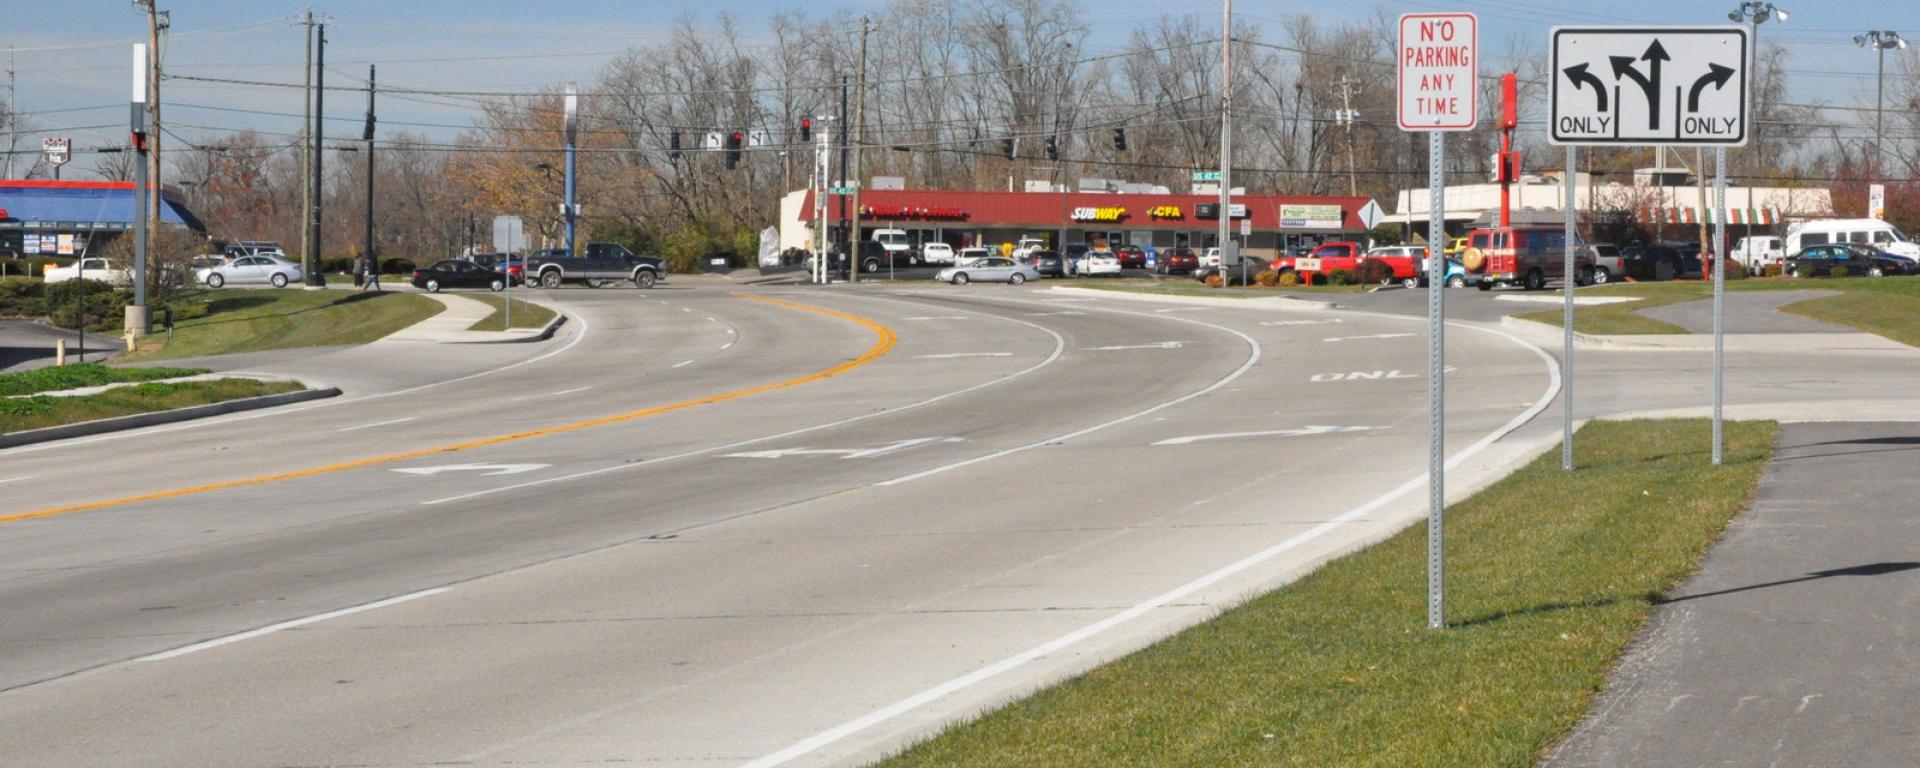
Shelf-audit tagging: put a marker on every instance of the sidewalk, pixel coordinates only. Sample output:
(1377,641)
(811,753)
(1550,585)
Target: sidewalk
(451,325)
(1798,643)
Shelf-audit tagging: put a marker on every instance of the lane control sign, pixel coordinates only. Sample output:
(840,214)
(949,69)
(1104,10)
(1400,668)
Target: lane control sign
(1650,86)
(1439,55)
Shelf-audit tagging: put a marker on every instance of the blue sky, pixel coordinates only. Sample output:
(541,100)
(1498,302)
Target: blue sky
(72,60)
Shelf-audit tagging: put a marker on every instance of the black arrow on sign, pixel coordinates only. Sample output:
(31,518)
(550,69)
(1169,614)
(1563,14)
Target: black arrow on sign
(1623,67)
(1580,76)
(1717,76)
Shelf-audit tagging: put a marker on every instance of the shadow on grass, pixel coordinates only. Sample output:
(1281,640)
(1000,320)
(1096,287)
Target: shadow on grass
(1869,569)
(238,303)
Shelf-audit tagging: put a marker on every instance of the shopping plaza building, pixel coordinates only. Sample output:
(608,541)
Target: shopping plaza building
(66,218)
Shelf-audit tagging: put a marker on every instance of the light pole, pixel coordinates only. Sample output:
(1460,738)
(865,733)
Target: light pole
(1755,14)
(1880,40)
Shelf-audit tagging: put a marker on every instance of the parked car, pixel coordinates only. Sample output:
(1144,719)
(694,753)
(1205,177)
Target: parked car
(894,241)
(457,273)
(970,255)
(515,268)
(1248,264)
(993,269)
(1404,260)
(1757,251)
(1328,257)
(599,264)
(875,255)
(1457,275)
(1178,261)
(93,269)
(936,253)
(1529,256)
(1821,260)
(1875,232)
(272,270)
(1028,245)
(1099,263)
(1130,256)
(1608,263)
(1073,254)
(1049,263)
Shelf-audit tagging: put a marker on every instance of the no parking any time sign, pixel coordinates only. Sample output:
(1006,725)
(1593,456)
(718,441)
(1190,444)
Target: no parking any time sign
(1439,56)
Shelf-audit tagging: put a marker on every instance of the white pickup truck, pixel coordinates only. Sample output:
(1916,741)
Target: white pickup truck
(92,269)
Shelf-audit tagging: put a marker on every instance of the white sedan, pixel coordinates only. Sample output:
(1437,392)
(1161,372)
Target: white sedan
(271,270)
(1099,263)
(993,269)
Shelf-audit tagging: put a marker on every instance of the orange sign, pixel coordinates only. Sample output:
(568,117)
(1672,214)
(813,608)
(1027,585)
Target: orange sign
(1167,212)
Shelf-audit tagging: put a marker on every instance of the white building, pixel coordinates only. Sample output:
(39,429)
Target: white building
(1654,197)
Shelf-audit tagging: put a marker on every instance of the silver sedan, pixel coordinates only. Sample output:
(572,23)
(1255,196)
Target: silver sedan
(271,270)
(993,269)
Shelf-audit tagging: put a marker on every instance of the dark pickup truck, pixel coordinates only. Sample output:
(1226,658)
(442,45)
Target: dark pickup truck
(599,264)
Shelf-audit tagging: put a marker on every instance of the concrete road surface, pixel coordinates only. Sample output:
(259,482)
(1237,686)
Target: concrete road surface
(784,526)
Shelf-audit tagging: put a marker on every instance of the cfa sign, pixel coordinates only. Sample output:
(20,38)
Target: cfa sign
(1649,86)
(1439,61)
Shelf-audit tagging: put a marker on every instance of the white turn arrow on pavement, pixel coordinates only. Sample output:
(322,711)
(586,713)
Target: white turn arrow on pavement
(1156,345)
(485,469)
(1301,432)
(1375,336)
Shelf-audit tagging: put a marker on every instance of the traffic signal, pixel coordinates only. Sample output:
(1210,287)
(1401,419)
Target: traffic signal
(673,145)
(1119,139)
(1053,148)
(806,129)
(1006,148)
(733,149)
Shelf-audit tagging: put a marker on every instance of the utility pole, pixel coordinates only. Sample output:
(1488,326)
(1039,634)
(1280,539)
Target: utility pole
(859,134)
(1226,140)
(1880,40)
(1059,166)
(156,21)
(309,261)
(12,121)
(367,134)
(846,244)
(318,157)
(1345,118)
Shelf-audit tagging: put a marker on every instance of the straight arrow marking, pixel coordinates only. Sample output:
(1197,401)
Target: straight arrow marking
(486,469)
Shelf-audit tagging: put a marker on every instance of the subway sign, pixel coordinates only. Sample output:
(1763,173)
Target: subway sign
(1099,214)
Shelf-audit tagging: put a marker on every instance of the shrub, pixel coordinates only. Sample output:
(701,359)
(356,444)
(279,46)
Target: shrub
(1772,270)
(1214,280)
(396,267)
(1374,271)
(1340,277)
(105,308)
(1267,278)
(22,297)
(1734,270)
(37,266)
(1840,272)
(1289,278)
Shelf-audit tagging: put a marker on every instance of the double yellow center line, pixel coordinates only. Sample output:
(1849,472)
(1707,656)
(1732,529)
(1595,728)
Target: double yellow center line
(884,340)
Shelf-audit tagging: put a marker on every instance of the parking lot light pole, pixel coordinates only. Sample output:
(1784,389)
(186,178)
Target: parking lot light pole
(1881,41)
(1226,139)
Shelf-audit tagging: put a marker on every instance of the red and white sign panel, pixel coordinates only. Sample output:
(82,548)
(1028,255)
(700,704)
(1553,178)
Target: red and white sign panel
(1439,60)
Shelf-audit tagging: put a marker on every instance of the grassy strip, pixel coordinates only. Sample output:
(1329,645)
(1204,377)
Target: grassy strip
(524,315)
(39,411)
(1549,576)
(238,320)
(57,378)
(1869,304)
(1888,314)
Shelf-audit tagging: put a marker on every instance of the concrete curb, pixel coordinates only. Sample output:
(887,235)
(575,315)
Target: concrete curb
(1282,303)
(1550,336)
(138,420)
(545,333)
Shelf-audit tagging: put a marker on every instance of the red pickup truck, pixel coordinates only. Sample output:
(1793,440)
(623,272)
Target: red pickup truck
(1348,256)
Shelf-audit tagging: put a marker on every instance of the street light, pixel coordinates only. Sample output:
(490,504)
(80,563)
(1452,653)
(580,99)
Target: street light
(1757,13)
(1881,40)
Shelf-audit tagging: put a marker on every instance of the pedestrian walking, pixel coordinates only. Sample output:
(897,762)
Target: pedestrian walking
(372,270)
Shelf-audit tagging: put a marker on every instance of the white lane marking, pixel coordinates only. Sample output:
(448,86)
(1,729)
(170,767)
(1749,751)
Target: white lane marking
(1155,345)
(1302,432)
(585,327)
(488,470)
(571,391)
(1374,336)
(1276,323)
(1054,314)
(17,479)
(1059,348)
(846,453)
(1056,645)
(376,424)
(1183,309)
(711,320)
(683,363)
(272,628)
(726,346)
(952,355)
(944,317)
(686,309)
(732,332)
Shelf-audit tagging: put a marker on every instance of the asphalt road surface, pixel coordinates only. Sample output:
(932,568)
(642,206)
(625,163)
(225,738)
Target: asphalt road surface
(780,526)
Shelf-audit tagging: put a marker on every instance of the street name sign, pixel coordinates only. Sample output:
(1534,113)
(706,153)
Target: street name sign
(1650,86)
(1206,175)
(1439,56)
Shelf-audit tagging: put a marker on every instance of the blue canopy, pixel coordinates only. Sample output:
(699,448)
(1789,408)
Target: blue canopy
(81,205)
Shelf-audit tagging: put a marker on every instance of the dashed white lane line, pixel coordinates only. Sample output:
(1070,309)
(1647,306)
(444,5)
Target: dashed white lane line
(952,355)
(17,479)
(683,363)
(376,424)
(571,391)
(686,309)
(272,628)
(711,320)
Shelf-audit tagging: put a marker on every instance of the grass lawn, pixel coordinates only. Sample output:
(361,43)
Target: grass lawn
(57,378)
(239,320)
(21,413)
(1888,306)
(524,315)
(1549,576)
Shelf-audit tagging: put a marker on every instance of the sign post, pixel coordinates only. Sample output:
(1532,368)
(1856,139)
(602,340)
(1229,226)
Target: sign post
(509,237)
(1660,86)
(1438,59)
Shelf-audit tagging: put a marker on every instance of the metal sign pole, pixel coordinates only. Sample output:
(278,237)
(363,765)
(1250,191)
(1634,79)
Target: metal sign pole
(1719,299)
(1569,277)
(1436,381)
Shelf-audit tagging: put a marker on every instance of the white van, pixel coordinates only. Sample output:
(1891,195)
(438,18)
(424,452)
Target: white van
(1875,232)
(894,240)
(1758,251)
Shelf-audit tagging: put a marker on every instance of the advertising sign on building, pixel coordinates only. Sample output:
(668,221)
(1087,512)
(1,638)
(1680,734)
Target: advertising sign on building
(1099,214)
(1310,216)
(65,245)
(1877,201)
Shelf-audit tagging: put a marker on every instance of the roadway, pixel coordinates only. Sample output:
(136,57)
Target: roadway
(782,526)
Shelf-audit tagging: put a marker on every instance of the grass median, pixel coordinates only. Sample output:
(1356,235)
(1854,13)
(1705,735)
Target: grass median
(232,320)
(39,411)
(1549,576)
(525,315)
(57,378)
(1887,306)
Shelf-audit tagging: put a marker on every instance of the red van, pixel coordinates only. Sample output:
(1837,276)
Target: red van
(1529,256)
